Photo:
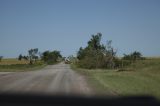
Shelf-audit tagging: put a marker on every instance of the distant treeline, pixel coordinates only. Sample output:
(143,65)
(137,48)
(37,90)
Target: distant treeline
(48,57)
(94,55)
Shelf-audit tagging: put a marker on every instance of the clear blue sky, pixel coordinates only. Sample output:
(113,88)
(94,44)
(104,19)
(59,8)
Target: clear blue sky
(66,25)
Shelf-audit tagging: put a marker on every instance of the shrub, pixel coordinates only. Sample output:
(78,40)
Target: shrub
(96,55)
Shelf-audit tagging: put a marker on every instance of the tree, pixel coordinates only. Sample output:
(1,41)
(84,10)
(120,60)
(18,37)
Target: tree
(94,42)
(80,53)
(32,55)
(35,58)
(45,55)
(20,57)
(96,55)
(1,57)
(132,57)
(136,55)
(25,57)
(51,57)
(93,46)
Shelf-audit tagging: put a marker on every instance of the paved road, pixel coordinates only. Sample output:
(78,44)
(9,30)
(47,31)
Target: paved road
(53,79)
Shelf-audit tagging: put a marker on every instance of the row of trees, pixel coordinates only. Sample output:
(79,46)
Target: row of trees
(49,57)
(133,56)
(32,56)
(94,55)
(97,55)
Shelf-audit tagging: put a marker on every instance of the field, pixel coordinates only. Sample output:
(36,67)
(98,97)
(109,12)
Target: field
(142,78)
(14,65)
(12,61)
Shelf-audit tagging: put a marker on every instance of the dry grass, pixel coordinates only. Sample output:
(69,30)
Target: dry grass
(14,65)
(12,61)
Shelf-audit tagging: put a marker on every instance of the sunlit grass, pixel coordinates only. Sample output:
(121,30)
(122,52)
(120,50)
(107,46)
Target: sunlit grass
(14,65)
(11,61)
(142,79)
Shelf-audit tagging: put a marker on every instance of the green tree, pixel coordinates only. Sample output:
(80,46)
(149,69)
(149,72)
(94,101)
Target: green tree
(25,57)
(81,53)
(1,57)
(96,55)
(94,42)
(136,56)
(45,55)
(20,57)
(133,56)
(32,55)
(51,57)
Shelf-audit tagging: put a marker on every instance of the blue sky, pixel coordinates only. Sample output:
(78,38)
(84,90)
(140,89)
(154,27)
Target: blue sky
(66,25)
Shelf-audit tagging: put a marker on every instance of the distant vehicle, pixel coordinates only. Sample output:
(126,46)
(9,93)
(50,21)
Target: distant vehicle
(67,61)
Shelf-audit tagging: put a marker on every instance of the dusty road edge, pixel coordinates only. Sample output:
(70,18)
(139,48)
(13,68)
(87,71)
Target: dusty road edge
(96,86)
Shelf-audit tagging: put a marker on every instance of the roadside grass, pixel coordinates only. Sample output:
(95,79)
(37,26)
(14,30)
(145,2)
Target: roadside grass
(143,78)
(13,65)
(11,61)
(98,88)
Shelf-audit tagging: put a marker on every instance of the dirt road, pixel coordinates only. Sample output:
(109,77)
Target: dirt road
(53,79)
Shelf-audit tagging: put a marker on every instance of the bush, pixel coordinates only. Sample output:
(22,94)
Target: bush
(132,57)
(96,55)
(51,57)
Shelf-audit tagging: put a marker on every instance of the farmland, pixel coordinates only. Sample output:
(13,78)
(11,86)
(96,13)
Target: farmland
(14,65)
(11,61)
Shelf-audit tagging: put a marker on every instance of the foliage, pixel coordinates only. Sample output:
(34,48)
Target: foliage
(33,55)
(133,56)
(20,57)
(25,57)
(1,58)
(51,57)
(96,55)
(128,59)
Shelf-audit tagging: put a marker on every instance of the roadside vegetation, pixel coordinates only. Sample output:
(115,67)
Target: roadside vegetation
(97,55)
(142,79)
(33,61)
(51,57)
(1,58)
(14,65)
(129,75)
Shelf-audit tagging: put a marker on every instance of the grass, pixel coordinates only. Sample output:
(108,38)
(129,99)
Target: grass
(143,78)
(11,61)
(13,65)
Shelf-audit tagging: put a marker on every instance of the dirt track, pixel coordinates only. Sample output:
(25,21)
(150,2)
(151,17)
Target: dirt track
(53,79)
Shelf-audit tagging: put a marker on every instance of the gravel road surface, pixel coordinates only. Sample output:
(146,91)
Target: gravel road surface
(53,79)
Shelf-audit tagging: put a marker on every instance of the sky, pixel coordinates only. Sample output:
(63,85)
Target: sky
(66,25)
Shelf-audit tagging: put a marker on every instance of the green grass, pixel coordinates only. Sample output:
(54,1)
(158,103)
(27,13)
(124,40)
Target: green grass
(13,65)
(142,79)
